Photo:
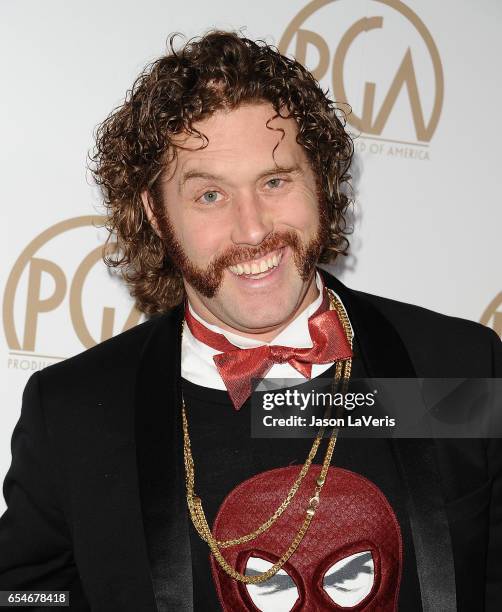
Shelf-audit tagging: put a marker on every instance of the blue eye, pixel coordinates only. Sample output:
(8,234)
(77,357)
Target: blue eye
(275,182)
(209,197)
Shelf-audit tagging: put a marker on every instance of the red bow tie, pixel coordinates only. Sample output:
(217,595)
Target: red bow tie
(238,367)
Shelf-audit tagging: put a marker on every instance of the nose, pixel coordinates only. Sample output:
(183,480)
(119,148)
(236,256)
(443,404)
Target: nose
(252,222)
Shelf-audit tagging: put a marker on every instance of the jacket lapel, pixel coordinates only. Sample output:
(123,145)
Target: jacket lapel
(159,453)
(385,356)
(159,450)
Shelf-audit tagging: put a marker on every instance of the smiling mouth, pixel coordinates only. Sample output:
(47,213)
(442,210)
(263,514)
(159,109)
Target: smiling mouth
(256,268)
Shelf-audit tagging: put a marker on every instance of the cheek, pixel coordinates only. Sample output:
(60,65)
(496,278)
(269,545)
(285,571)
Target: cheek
(202,238)
(302,212)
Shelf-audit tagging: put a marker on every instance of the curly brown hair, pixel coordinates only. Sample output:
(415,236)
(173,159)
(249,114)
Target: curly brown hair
(135,143)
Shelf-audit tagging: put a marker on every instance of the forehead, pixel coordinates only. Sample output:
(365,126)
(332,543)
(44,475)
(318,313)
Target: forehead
(245,137)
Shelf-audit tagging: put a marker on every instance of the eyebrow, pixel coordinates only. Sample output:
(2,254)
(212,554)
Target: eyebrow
(197,174)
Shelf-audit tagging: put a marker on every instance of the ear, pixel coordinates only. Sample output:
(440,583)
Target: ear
(146,199)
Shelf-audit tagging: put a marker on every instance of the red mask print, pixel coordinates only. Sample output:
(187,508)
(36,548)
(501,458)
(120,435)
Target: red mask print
(349,559)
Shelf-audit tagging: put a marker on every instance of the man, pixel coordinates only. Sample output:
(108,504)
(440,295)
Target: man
(224,175)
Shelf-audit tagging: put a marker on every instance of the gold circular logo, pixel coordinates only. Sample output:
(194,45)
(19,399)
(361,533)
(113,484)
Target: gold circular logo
(370,121)
(36,303)
(492,316)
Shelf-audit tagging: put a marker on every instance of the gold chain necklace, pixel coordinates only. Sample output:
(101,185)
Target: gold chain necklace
(341,377)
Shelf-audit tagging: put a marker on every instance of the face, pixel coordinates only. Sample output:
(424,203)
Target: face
(242,221)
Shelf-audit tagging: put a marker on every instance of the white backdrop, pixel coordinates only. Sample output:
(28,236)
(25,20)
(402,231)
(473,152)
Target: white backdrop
(427,216)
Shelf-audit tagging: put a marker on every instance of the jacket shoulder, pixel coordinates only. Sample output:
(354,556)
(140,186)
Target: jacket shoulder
(410,314)
(112,359)
(431,337)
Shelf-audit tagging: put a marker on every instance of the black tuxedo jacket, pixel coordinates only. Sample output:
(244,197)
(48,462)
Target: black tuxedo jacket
(95,491)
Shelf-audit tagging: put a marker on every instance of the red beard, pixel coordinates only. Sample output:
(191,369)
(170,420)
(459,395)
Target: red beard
(207,281)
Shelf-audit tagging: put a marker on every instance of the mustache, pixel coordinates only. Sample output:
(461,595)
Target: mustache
(208,280)
(234,255)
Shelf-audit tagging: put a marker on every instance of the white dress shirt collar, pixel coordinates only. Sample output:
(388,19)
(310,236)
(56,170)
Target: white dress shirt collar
(197,364)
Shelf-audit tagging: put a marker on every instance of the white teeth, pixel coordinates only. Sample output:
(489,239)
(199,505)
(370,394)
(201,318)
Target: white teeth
(256,268)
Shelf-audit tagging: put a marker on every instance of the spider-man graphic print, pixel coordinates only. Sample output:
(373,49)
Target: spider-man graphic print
(349,559)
